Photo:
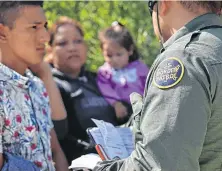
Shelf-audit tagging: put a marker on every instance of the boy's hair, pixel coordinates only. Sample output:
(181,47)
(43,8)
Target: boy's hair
(120,34)
(9,10)
(63,20)
(211,6)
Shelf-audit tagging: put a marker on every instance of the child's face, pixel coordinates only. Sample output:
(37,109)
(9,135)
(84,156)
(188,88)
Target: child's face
(25,42)
(116,55)
(69,49)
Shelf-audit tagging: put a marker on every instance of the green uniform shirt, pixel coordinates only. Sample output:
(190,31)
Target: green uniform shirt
(178,123)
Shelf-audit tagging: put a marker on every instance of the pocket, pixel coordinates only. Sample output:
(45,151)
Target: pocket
(136,116)
(137,105)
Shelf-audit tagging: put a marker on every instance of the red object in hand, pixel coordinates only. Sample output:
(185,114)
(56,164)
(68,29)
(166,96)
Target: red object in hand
(101,152)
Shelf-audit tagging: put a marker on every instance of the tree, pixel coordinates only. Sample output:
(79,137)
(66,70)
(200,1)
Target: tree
(97,15)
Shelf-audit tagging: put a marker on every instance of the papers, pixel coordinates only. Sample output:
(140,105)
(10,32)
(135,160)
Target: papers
(115,142)
(88,161)
(127,137)
(110,142)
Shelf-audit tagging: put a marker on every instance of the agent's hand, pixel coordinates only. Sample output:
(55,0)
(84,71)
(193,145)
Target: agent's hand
(121,110)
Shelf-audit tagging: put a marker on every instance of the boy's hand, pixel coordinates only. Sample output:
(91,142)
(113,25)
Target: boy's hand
(120,109)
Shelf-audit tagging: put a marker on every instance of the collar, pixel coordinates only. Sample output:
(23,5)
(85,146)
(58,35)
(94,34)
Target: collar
(64,76)
(9,75)
(197,23)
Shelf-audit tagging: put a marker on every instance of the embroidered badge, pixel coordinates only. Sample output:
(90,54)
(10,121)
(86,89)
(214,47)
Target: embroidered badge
(169,73)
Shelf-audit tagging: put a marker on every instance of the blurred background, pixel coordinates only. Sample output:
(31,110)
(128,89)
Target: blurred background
(97,15)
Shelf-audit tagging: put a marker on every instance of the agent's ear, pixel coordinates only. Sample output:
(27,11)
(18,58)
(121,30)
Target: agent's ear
(164,7)
(3,33)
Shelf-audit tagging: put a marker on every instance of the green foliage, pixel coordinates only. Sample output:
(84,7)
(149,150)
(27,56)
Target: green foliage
(97,15)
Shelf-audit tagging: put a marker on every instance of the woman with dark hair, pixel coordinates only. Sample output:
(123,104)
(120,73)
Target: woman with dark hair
(81,96)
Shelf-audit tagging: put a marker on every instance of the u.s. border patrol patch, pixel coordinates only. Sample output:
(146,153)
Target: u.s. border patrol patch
(169,72)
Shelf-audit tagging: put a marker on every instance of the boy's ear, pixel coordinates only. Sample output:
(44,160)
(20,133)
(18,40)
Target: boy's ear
(3,33)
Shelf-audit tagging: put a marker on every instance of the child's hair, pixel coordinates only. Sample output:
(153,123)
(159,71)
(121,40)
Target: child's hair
(63,20)
(119,33)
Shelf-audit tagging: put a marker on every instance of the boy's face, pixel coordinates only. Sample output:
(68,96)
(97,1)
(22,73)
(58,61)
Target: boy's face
(25,42)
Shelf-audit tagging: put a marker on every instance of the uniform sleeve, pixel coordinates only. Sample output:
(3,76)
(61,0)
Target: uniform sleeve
(173,121)
(105,87)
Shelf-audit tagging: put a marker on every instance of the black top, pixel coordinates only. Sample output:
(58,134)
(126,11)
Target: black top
(82,101)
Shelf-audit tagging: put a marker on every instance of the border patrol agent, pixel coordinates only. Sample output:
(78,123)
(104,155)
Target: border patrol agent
(178,122)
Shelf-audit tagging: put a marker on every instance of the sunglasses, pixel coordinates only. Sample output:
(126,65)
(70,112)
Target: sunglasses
(151,5)
(117,23)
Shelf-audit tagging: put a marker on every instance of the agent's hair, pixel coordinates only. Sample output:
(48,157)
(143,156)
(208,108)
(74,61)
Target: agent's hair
(9,10)
(120,34)
(61,21)
(210,6)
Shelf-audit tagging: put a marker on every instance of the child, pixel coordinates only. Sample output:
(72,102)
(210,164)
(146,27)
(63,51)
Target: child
(122,72)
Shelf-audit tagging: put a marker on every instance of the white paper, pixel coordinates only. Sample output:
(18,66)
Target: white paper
(98,138)
(127,137)
(87,161)
(116,143)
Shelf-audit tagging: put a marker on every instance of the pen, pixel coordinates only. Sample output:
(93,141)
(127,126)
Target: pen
(101,152)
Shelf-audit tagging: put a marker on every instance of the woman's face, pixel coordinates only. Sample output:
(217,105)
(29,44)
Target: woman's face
(69,49)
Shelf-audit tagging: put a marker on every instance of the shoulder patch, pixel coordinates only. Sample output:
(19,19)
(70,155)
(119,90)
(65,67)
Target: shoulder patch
(169,73)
